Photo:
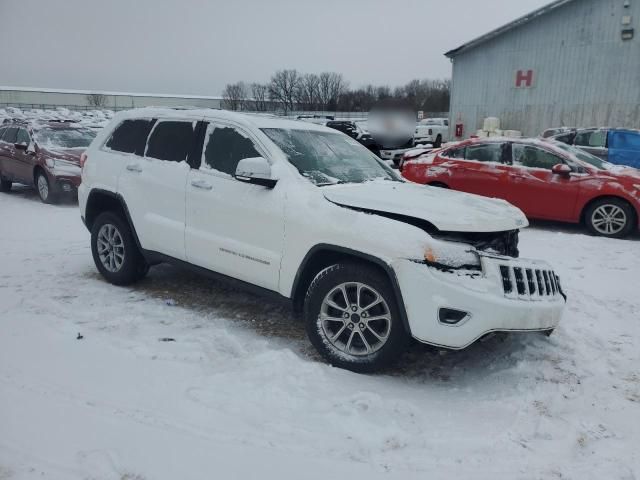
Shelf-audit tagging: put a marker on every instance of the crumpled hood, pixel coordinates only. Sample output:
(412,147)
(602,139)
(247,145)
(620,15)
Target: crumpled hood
(447,210)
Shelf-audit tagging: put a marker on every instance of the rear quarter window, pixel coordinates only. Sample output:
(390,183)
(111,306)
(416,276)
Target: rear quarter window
(130,136)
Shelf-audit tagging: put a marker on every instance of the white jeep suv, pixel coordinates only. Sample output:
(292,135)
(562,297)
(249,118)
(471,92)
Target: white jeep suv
(307,214)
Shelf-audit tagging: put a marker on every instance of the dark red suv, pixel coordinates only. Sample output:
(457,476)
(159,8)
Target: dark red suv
(46,156)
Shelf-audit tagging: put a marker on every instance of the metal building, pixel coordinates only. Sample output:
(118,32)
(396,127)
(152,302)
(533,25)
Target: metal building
(570,63)
(49,98)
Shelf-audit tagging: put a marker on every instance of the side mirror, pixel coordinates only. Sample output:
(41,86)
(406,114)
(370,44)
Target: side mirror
(561,169)
(21,146)
(255,170)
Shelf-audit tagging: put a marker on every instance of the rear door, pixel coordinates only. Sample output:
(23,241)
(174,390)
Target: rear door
(153,186)
(624,147)
(535,189)
(483,170)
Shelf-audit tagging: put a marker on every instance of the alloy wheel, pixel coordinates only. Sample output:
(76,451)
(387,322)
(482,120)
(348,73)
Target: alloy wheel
(609,219)
(110,248)
(43,187)
(355,319)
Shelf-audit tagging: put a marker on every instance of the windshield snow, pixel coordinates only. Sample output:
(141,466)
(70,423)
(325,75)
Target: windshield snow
(64,137)
(328,158)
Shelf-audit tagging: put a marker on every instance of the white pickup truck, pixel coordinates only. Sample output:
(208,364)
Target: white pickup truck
(432,130)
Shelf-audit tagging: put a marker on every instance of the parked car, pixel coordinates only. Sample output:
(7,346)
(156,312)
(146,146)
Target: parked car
(432,130)
(304,214)
(615,145)
(552,132)
(546,180)
(352,129)
(46,156)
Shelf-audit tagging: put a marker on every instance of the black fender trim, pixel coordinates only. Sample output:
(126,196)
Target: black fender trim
(125,209)
(363,256)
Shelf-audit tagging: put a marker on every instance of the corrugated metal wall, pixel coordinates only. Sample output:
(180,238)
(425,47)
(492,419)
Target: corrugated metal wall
(584,73)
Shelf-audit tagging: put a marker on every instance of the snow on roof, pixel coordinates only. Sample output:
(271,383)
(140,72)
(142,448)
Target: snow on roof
(505,28)
(249,119)
(100,92)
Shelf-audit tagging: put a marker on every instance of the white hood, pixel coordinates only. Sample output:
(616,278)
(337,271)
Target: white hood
(447,210)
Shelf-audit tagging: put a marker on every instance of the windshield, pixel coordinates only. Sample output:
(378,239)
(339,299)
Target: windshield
(64,137)
(586,157)
(328,158)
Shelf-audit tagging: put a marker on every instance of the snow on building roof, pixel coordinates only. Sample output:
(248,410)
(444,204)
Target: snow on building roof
(100,92)
(505,28)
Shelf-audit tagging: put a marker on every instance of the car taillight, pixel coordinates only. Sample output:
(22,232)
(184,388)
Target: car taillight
(83,160)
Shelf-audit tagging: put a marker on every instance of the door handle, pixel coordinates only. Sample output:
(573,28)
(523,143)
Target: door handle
(134,168)
(201,184)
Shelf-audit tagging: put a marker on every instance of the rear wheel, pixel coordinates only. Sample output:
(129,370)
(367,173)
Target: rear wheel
(352,318)
(44,188)
(437,184)
(610,217)
(438,142)
(115,252)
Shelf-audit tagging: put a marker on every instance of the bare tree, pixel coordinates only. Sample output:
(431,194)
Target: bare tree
(260,92)
(283,88)
(234,96)
(97,100)
(307,93)
(331,86)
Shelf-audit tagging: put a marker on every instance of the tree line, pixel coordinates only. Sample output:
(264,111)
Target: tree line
(289,90)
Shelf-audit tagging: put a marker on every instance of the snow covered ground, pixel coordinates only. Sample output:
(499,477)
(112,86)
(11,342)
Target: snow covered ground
(241,394)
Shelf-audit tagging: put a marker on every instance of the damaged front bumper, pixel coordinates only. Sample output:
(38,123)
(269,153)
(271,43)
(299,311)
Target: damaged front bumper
(454,308)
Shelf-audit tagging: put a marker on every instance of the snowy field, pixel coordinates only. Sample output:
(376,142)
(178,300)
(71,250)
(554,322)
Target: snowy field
(241,394)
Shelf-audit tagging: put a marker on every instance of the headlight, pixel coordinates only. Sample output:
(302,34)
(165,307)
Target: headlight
(50,162)
(451,255)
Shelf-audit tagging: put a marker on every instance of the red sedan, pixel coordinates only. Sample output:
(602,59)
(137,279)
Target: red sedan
(546,180)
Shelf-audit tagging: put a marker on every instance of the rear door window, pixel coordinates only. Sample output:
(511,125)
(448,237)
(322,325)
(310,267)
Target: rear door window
(131,136)
(490,152)
(225,147)
(533,157)
(171,141)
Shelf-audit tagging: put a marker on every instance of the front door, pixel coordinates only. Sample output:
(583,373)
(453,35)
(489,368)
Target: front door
(24,159)
(535,189)
(233,228)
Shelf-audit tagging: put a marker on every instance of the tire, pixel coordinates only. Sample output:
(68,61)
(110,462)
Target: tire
(5,185)
(437,184)
(438,142)
(115,252)
(610,217)
(343,341)
(43,187)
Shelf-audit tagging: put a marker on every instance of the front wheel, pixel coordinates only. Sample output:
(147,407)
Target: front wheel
(610,217)
(44,188)
(115,252)
(352,318)
(438,142)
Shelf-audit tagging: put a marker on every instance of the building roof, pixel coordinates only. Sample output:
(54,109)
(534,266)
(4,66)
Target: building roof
(100,92)
(505,28)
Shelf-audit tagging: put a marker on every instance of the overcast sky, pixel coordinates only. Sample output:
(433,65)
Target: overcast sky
(197,46)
